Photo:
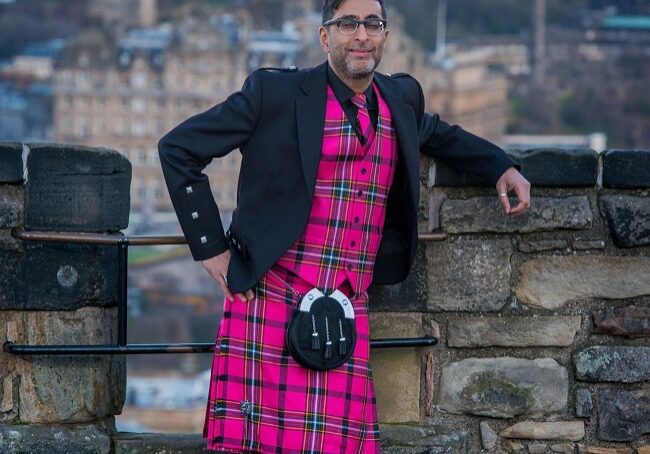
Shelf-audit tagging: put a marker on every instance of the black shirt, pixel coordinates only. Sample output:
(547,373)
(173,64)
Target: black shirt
(344,94)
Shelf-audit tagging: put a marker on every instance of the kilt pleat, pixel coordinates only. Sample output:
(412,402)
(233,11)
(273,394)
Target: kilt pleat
(261,400)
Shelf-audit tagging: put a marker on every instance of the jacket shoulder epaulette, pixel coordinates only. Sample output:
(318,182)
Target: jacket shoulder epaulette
(288,69)
(398,75)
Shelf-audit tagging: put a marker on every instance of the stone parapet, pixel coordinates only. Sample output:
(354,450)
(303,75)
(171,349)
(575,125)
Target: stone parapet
(54,294)
(11,162)
(626,169)
(75,188)
(544,319)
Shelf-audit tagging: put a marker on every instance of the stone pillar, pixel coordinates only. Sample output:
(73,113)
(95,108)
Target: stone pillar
(55,293)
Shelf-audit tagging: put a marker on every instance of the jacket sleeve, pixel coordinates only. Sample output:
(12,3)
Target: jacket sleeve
(461,150)
(188,148)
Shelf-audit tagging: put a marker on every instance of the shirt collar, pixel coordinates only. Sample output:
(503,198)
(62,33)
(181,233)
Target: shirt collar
(344,93)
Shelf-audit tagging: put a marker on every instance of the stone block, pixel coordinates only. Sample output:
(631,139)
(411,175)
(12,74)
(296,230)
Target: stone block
(623,415)
(440,174)
(63,389)
(11,206)
(503,387)
(77,188)
(469,275)
(396,374)
(387,325)
(563,448)
(144,443)
(585,245)
(484,214)
(70,276)
(557,167)
(11,162)
(12,276)
(613,364)
(407,296)
(550,282)
(430,439)
(631,321)
(537,448)
(488,436)
(537,430)
(513,331)
(542,245)
(626,169)
(513,446)
(584,403)
(58,439)
(629,219)
(584,449)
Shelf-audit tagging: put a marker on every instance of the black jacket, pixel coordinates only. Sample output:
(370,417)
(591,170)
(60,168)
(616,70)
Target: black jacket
(276,120)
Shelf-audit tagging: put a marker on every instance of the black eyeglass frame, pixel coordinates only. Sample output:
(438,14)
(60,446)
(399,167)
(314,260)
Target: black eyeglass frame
(357,22)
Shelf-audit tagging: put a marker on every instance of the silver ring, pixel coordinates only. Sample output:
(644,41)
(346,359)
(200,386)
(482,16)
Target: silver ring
(503,194)
(225,279)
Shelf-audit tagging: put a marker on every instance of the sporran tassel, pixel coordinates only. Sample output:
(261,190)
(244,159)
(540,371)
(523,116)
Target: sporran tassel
(328,343)
(342,347)
(315,343)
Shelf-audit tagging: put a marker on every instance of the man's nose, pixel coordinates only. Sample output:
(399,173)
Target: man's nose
(361,32)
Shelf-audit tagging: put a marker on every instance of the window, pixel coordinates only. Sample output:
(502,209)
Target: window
(139,128)
(138,105)
(83,127)
(140,156)
(157,190)
(154,160)
(139,80)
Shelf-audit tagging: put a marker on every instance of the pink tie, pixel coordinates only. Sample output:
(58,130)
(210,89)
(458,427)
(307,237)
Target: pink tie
(362,115)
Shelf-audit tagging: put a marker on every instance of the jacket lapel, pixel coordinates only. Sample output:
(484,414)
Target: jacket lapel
(310,112)
(310,118)
(406,128)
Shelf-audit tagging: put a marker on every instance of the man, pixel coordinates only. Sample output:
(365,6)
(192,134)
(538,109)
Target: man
(327,199)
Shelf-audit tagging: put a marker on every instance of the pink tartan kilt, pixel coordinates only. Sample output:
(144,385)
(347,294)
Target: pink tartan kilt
(261,400)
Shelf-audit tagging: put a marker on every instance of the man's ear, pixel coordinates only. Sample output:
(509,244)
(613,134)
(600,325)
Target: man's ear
(324,39)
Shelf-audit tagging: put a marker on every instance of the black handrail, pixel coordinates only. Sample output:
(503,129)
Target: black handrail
(122,243)
(133,349)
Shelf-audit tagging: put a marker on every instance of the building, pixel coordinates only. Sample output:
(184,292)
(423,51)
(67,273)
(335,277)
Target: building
(127,93)
(466,86)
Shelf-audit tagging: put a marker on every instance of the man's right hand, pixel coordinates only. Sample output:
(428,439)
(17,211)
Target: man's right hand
(217,266)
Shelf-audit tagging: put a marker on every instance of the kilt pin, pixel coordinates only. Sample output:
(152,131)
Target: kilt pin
(260,399)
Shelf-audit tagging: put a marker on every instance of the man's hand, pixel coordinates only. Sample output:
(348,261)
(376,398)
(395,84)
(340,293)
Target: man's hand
(512,180)
(217,266)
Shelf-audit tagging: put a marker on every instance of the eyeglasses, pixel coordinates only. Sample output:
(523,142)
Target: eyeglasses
(349,25)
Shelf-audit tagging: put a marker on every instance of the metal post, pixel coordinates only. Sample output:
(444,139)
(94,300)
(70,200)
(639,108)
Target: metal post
(122,274)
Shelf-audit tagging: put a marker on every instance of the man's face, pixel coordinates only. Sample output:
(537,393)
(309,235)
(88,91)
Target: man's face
(354,56)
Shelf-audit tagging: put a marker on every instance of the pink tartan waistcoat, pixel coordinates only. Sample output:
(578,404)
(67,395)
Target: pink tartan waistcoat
(346,220)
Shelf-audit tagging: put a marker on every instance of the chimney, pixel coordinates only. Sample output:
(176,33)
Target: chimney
(148,13)
(539,41)
(441,31)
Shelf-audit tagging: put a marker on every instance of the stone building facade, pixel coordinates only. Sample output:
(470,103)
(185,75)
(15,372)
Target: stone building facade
(130,94)
(464,88)
(543,320)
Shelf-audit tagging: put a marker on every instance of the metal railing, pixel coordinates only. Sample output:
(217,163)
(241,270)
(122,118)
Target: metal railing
(122,347)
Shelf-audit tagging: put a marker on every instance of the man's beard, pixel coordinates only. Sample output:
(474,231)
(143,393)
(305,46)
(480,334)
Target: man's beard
(361,70)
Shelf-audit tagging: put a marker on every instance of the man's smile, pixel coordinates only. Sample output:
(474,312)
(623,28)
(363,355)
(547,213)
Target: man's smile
(360,52)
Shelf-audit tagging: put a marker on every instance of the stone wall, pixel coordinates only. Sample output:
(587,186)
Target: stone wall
(54,293)
(544,319)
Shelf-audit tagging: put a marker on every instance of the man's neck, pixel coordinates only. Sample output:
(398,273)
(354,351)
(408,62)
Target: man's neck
(356,85)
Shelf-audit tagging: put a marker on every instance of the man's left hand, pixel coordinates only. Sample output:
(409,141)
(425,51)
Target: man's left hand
(512,180)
